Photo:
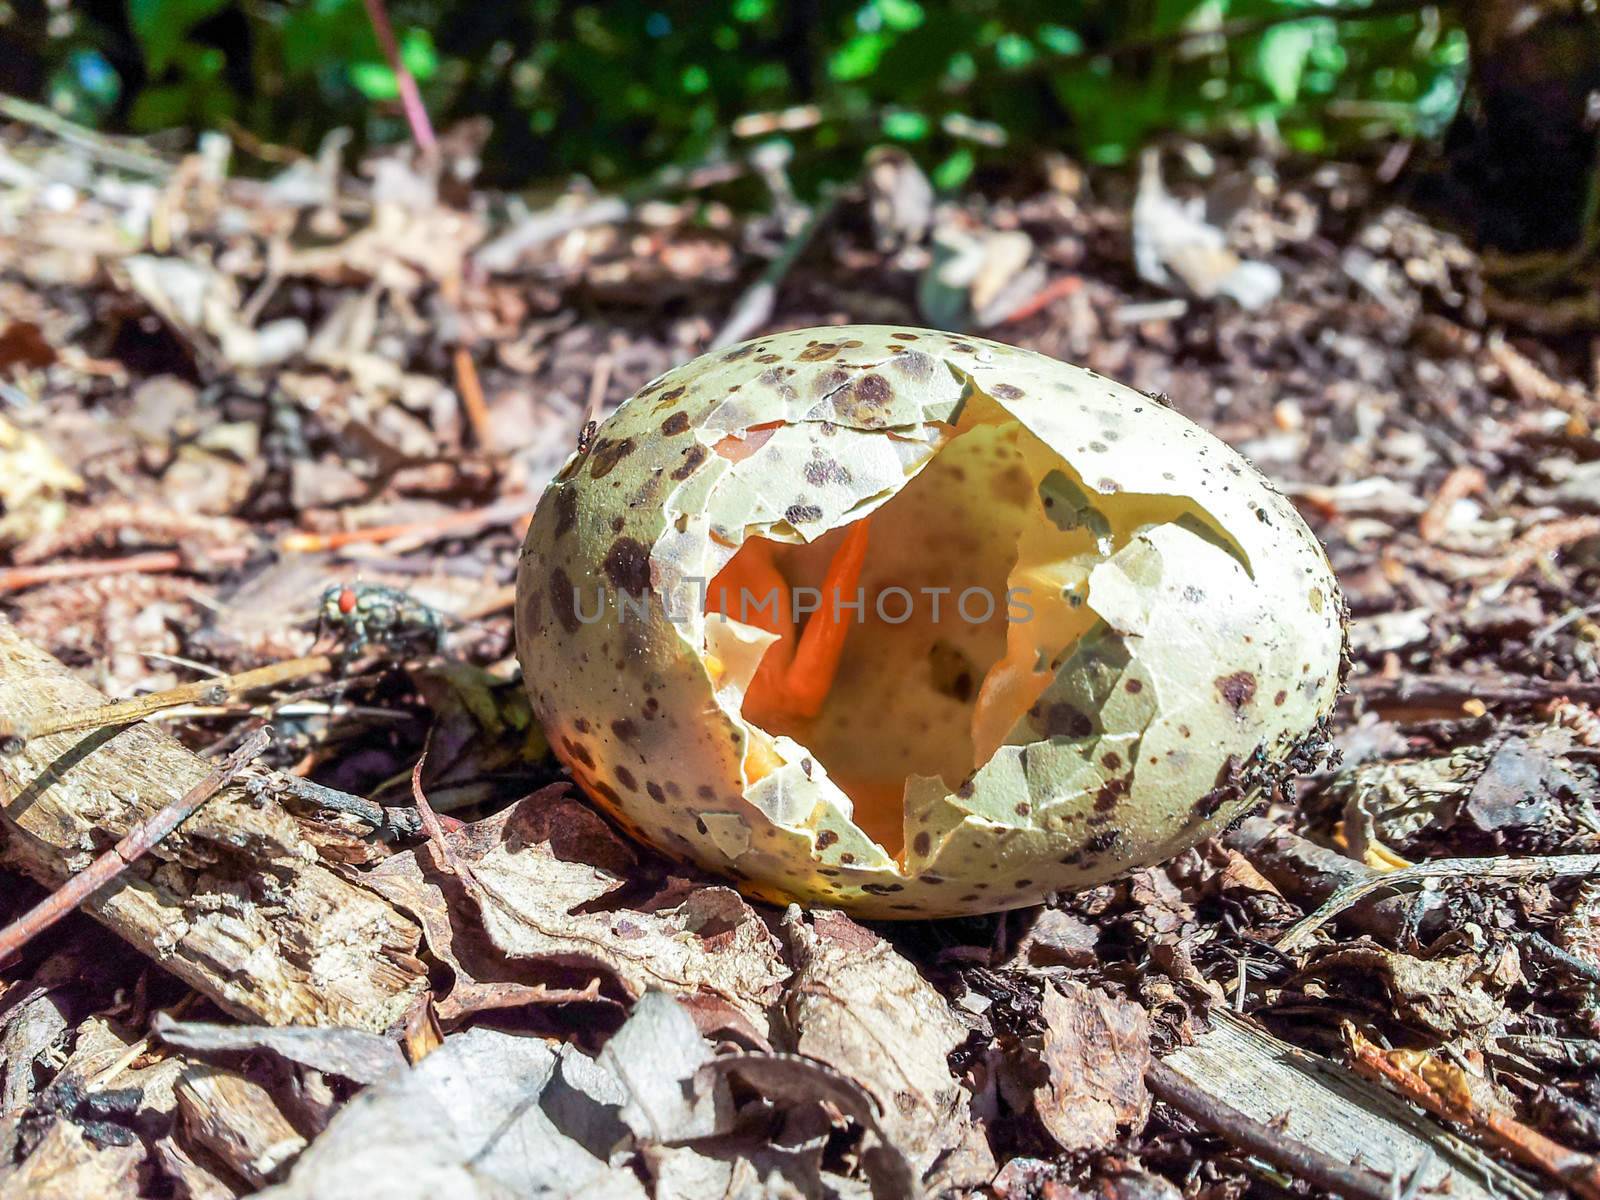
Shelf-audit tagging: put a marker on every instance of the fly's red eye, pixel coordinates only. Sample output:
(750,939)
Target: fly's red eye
(347,600)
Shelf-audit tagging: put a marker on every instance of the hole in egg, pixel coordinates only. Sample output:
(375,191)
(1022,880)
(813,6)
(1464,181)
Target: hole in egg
(942,616)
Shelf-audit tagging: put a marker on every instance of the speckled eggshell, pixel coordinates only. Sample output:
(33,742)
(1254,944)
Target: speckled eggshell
(1186,656)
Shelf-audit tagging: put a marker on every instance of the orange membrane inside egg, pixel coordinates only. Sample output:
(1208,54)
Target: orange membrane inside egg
(914,663)
(798,670)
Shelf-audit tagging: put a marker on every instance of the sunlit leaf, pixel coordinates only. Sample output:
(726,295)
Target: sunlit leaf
(1281,58)
(374,80)
(954,171)
(858,57)
(899,14)
(905,126)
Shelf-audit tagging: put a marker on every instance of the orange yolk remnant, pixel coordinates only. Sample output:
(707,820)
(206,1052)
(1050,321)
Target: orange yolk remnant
(798,669)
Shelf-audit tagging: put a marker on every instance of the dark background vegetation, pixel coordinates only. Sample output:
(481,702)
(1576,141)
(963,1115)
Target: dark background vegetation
(614,90)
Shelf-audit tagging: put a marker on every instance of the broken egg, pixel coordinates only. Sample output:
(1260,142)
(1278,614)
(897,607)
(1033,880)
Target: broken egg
(915,624)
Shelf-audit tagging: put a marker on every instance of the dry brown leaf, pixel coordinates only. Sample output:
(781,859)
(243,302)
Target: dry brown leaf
(857,1005)
(550,874)
(1096,1049)
(1446,996)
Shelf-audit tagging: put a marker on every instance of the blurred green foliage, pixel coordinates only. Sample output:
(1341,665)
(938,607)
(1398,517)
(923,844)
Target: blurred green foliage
(616,89)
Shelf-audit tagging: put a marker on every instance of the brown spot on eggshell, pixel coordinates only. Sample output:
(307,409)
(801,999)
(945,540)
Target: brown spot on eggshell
(1238,689)
(624,729)
(607,454)
(627,565)
(566,504)
(1060,719)
(692,458)
(564,600)
(818,352)
(625,777)
(1110,794)
(820,472)
(677,423)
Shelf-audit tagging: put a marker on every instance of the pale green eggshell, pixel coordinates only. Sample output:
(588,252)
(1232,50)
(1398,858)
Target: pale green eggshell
(1208,624)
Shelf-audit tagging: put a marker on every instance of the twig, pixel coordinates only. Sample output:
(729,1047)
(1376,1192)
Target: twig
(1442,868)
(1545,539)
(1323,1170)
(1549,631)
(599,381)
(1454,1102)
(1551,955)
(434,828)
(390,824)
(1451,691)
(155,562)
(755,306)
(471,389)
(108,151)
(1063,285)
(410,97)
(1458,485)
(13,738)
(134,845)
(458,523)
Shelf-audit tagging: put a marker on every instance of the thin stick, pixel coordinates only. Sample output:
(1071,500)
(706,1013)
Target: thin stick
(154,562)
(1322,1170)
(134,845)
(471,389)
(1061,286)
(1441,868)
(1505,1133)
(753,309)
(410,97)
(307,542)
(125,156)
(1441,691)
(202,691)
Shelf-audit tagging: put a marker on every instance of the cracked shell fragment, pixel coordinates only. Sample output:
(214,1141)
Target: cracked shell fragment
(915,624)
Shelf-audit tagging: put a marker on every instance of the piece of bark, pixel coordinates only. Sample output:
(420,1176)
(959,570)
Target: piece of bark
(235,903)
(65,1165)
(237,1120)
(192,1179)
(1314,1103)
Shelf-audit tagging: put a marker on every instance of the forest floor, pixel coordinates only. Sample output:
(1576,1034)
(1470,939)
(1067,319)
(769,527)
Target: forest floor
(220,397)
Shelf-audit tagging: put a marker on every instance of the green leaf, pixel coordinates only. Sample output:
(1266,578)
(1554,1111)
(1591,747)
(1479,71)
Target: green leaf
(162,25)
(954,171)
(1060,39)
(1281,58)
(418,54)
(859,57)
(905,126)
(374,80)
(899,14)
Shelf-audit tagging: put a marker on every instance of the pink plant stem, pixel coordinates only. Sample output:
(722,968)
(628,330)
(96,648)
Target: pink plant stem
(410,97)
